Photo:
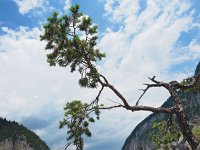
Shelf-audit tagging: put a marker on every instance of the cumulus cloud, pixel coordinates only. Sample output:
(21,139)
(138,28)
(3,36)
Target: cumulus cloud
(32,92)
(26,5)
(29,88)
(67,4)
(194,46)
(145,44)
(147,39)
(117,10)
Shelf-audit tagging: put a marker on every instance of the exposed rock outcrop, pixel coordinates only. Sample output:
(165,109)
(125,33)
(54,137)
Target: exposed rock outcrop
(18,144)
(17,137)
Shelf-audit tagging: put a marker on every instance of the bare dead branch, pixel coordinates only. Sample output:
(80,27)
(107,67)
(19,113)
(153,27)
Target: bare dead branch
(193,80)
(158,84)
(106,81)
(153,79)
(171,110)
(177,108)
(144,91)
(97,98)
(113,101)
(118,94)
(111,107)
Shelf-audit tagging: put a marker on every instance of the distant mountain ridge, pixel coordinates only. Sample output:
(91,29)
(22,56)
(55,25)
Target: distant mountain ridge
(140,138)
(17,137)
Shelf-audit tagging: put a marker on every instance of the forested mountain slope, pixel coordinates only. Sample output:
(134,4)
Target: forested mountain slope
(17,137)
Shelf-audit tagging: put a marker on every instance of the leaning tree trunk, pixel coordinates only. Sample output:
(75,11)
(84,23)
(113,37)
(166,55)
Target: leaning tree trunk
(182,118)
(186,130)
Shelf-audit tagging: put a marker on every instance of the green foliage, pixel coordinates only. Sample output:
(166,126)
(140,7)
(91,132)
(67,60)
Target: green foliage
(165,133)
(14,131)
(77,119)
(71,41)
(195,88)
(196,131)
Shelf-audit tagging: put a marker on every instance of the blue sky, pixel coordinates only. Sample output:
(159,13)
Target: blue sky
(140,37)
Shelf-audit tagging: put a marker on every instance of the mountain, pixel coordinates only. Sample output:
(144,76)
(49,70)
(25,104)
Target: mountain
(17,137)
(140,138)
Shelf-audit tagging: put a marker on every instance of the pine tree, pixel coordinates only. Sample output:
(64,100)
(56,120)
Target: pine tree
(71,41)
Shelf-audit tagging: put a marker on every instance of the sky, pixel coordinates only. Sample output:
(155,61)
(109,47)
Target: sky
(141,38)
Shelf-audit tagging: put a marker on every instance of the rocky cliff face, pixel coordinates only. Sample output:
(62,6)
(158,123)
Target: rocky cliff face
(140,138)
(17,137)
(18,144)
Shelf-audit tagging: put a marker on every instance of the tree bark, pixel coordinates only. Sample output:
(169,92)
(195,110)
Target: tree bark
(186,130)
(182,118)
(177,108)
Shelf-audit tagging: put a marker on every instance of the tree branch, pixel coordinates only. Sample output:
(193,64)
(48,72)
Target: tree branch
(192,82)
(158,84)
(106,81)
(118,94)
(171,110)
(111,107)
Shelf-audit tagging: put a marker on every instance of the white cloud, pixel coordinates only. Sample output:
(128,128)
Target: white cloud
(144,45)
(67,4)
(19,62)
(118,10)
(194,46)
(26,5)
(148,38)
(29,87)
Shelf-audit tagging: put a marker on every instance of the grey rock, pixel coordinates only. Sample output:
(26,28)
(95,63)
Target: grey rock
(19,144)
